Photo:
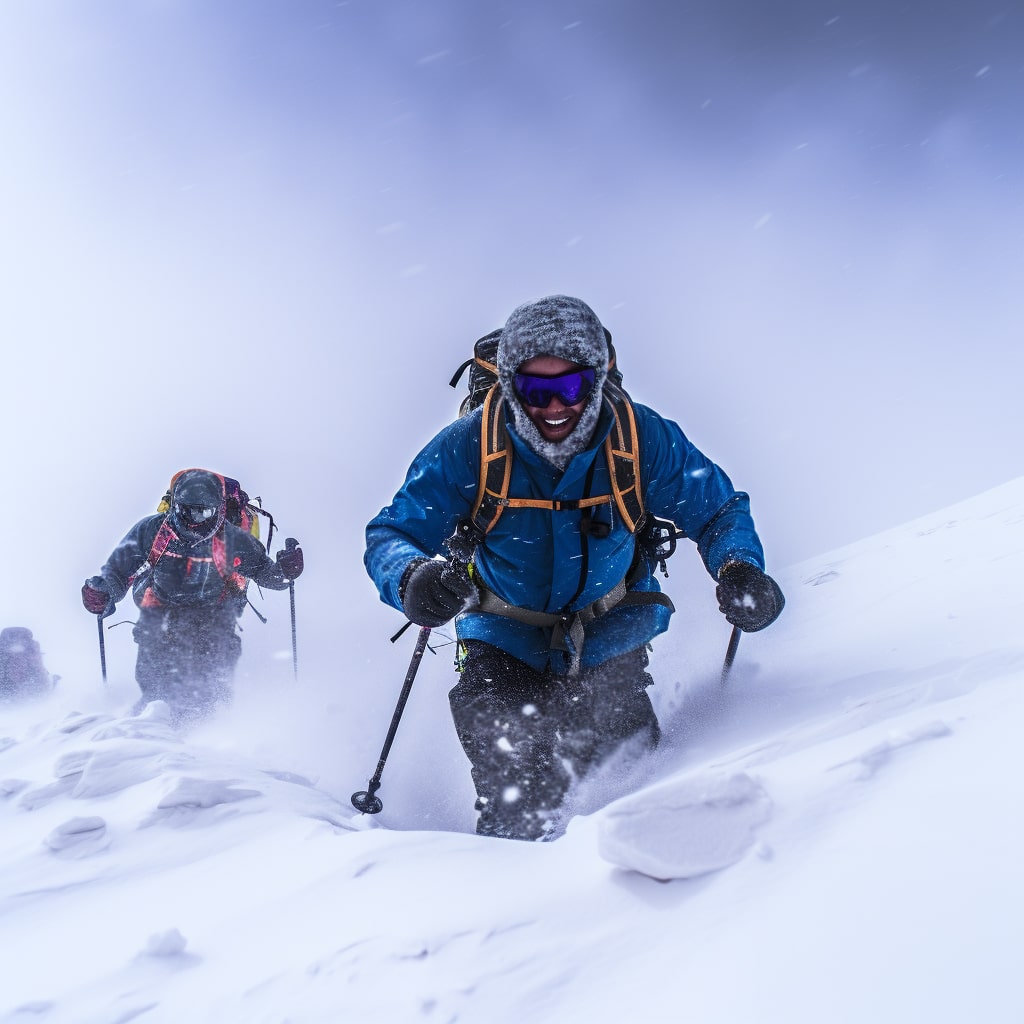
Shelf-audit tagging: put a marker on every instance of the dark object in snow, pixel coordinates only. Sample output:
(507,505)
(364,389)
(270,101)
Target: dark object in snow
(562,496)
(189,567)
(22,673)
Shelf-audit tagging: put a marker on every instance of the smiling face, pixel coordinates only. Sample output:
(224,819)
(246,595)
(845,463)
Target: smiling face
(557,336)
(558,420)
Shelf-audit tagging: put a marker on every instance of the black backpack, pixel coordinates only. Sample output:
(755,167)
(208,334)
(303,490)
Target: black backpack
(656,537)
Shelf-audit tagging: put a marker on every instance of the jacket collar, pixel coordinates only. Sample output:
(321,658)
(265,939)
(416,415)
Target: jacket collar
(578,465)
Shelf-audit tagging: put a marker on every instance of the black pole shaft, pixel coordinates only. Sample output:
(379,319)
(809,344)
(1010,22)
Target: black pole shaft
(365,801)
(103,647)
(403,697)
(730,653)
(295,649)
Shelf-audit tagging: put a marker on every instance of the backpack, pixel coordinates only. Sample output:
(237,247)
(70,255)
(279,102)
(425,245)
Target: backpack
(238,510)
(621,447)
(656,537)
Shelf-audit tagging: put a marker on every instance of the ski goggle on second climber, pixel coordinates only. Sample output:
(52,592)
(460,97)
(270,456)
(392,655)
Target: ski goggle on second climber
(571,388)
(195,515)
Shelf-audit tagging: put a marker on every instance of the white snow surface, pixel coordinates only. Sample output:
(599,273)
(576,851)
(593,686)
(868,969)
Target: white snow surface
(834,835)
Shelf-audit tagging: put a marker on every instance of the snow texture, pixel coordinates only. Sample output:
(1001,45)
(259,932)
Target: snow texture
(833,834)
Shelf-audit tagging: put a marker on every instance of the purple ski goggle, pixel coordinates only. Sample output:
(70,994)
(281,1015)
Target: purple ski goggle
(571,388)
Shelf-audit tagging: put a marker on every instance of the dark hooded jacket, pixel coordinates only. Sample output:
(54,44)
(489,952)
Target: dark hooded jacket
(190,572)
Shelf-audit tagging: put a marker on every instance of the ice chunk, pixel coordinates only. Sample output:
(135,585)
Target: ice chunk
(168,943)
(79,836)
(685,828)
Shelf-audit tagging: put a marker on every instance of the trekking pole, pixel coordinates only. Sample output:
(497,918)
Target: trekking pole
(295,650)
(103,648)
(730,653)
(366,801)
(460,546)
(290,545)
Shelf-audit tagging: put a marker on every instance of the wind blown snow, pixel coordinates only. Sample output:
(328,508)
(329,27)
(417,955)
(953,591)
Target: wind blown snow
(833,835)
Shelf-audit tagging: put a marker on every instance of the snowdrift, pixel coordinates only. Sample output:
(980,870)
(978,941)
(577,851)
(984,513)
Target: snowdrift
(834,835)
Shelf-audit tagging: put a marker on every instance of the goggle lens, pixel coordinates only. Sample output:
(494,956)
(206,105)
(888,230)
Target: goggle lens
(571,388)
(195,515)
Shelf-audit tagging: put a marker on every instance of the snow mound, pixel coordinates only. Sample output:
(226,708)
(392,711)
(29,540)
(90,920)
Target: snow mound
(93,784)
(685,828)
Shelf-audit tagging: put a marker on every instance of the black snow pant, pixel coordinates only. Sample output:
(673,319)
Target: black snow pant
(530,735)
(187,657)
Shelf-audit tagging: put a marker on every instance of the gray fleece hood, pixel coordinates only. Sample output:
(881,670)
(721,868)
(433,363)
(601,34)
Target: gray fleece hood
(561,326)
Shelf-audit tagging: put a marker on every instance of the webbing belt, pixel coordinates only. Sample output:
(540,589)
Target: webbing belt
(569,626)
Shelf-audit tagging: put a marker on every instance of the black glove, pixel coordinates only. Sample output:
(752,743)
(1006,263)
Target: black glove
(290,560)
(432,592)
(748,597)
(96,597)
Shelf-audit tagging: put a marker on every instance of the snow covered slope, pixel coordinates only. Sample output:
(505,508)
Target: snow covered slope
(833,836)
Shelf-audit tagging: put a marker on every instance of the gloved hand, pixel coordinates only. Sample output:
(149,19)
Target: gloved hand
(96,597)
(748,597)
(289,561)
(432,592)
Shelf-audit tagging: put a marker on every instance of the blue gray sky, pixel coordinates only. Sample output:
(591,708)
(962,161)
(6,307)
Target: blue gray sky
(260,236)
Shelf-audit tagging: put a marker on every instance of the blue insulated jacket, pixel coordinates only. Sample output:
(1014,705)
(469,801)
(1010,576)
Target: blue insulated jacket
(535,558)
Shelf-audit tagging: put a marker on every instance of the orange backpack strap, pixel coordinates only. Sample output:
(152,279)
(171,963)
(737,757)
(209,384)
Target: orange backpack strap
(622,448)
(486,364)
(496,470)
(495,464)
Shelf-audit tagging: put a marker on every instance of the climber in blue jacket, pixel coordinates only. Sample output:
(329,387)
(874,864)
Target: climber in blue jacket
(557,601)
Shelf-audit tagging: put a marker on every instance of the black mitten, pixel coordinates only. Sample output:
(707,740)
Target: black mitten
(96,597)
(432,592)
(290,560)
(748,597)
